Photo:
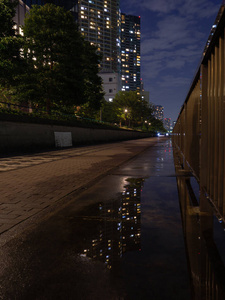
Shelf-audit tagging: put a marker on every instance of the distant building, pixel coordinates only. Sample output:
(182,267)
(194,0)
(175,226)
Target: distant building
(159,112)
(130,53)
(167,124)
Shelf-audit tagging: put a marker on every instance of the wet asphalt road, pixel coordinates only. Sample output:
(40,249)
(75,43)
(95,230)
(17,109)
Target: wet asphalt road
(119,239)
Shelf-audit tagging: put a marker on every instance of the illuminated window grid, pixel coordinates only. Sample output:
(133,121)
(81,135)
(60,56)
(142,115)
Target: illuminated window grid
(97,20)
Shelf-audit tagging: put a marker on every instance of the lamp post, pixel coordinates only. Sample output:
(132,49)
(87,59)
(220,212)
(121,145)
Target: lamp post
(125,112)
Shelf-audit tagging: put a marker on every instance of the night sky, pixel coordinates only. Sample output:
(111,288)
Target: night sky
(173,36)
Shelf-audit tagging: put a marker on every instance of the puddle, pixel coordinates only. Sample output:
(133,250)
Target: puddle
(127,237)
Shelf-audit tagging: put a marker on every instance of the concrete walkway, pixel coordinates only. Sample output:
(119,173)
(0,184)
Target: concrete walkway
(33,185)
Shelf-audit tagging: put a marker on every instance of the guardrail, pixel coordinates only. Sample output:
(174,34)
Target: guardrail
(199,131)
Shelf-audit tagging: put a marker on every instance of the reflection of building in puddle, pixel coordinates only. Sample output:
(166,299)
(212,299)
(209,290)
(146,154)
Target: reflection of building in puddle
(131,215)
(206,266)
(120,227)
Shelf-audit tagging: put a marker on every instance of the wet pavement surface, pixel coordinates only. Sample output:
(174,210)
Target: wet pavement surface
(37,183)
(122,238)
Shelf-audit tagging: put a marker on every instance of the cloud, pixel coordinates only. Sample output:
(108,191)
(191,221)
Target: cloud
(173,45)
(200,8)
(173,36)
(173,81)
(162,6)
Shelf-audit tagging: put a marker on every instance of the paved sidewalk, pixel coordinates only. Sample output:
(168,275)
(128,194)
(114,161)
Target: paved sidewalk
(32,183)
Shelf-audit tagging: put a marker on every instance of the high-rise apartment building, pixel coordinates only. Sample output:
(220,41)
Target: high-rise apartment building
(24,6)
(167,124)
(99,22)
(159,112)
(130,53)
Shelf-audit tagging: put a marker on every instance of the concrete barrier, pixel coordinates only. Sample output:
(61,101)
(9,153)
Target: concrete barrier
(19,136)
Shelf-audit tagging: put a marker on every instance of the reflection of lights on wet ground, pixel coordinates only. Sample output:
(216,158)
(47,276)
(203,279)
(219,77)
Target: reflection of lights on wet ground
(125,228)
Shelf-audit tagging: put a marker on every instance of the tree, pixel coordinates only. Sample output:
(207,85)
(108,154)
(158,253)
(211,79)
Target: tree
(7,12)
(157,125)
(93,92)
(56,54)
(109,112)
(11,43)
(131,108)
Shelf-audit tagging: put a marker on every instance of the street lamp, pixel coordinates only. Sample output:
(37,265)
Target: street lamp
(125,111)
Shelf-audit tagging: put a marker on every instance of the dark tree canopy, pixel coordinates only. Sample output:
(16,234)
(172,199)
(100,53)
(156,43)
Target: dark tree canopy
(132,107)
(55,51)
(7,12)
(51,66)
(11,61)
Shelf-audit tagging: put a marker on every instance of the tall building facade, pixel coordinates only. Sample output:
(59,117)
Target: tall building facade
(167,124)
(130,53)
(99,22)
(24,6)
(159,112)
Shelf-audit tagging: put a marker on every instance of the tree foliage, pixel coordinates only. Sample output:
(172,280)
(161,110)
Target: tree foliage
(157,125)
(7,12)
(11,61)
(51,66)
(62,66)
(131,108)
(93,92)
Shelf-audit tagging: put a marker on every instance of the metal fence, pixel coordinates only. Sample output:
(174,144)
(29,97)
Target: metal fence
(200,128)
